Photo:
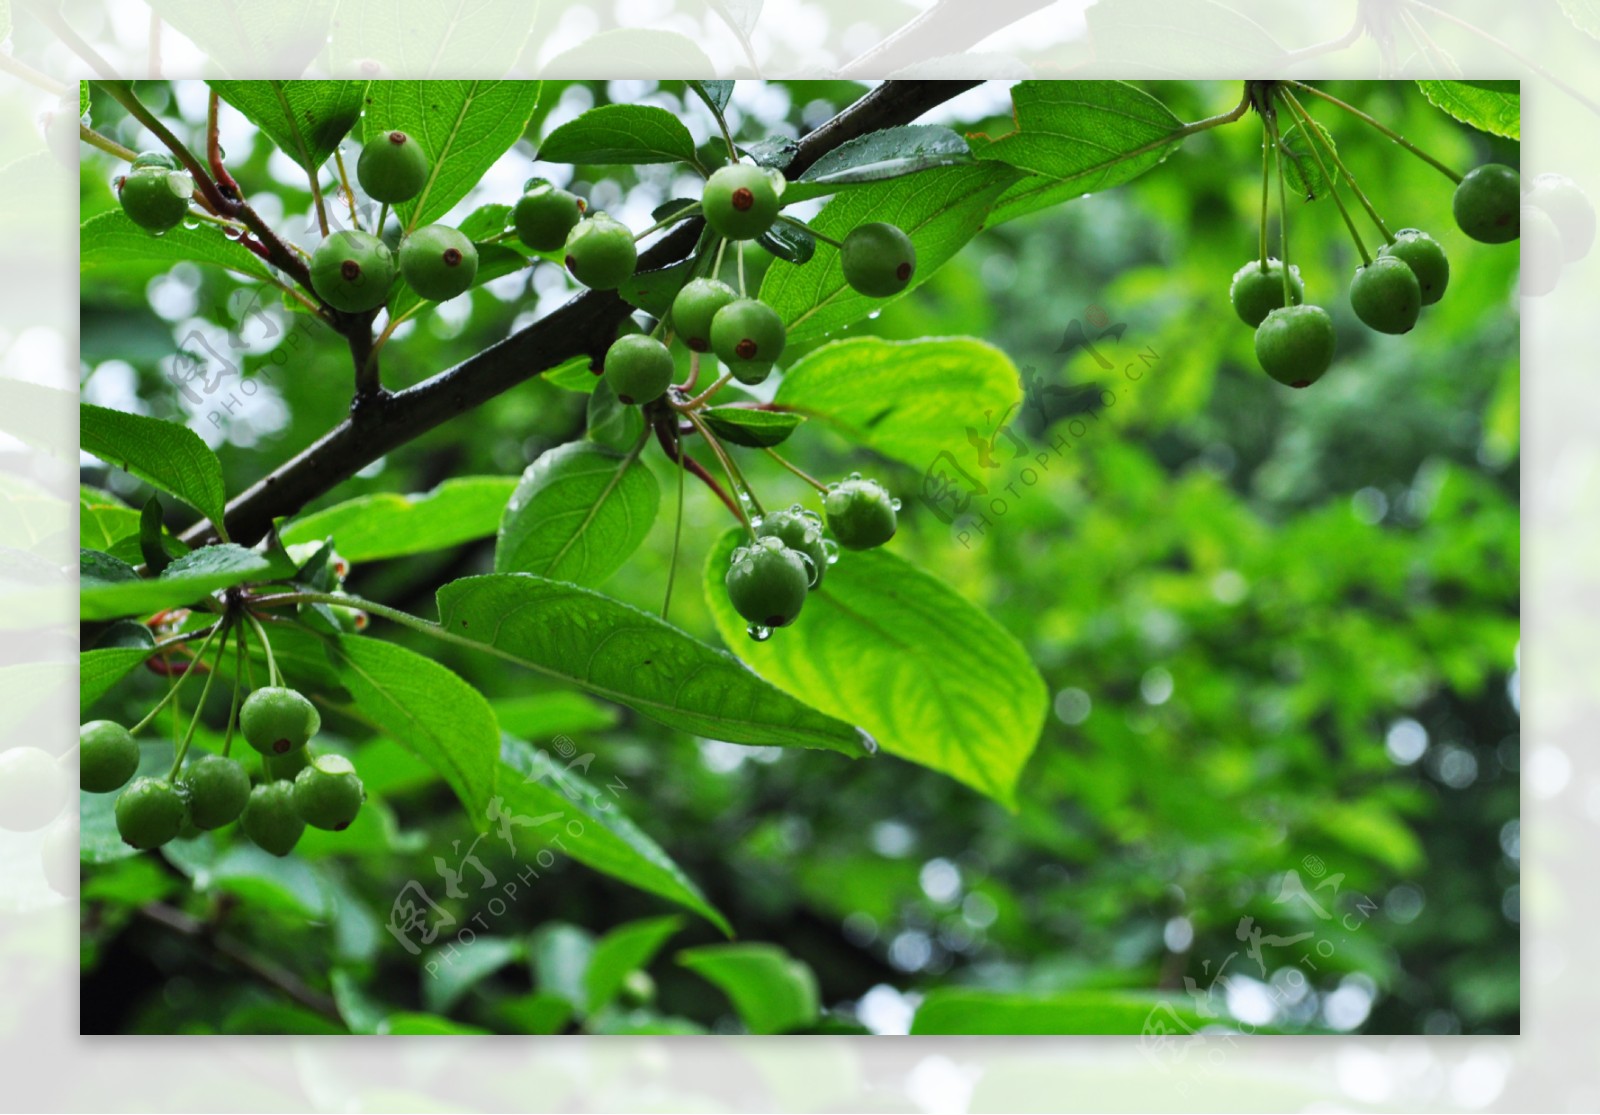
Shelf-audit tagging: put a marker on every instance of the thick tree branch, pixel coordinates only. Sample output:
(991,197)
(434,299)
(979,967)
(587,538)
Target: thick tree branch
(584,326)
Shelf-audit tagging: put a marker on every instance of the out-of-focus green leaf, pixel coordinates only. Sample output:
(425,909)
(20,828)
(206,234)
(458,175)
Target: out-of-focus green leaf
(773,992)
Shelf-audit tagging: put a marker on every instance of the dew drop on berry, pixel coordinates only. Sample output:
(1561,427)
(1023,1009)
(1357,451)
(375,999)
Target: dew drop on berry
(812,572)
(191,223)
(895,503)
(759,633)
(831,549)
(756,521)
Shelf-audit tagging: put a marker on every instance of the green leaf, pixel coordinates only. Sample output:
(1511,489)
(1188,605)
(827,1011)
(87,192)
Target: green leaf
(111,238)
(620,134)
(873,157)
(1076,137)
(560,954)
(99,670)
(387,525)
(790,243)
(495,261)
(960,1010)
(1301,171)
(485,221)
(624,950)
(653,291)
(754,429)
(449,973)
(884,645)
(463,126)
(714,93)
(618,652)
(773,992)
(428,708)
(579,512)
(1200,38)
(1490,106)
(638,51)
(611,422)
(152,545)
(306,120)
(553,713)
(1584,14)
(908,400)
(575,375)
(168,455)
(101,525)
(98,839)
(940,209)
(106,592)
(572,815)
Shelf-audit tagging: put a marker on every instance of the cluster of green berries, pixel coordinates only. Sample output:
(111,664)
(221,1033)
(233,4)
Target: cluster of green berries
(155,193)
(768,579)
(352,270)
(1294,341)
(739,202)
(213,791)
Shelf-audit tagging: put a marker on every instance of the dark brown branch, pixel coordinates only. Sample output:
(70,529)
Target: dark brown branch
(584,326)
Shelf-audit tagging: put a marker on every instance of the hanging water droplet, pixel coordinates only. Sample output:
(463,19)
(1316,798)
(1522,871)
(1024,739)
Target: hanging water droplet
(158,234)
(755,522)
(831,548)
(116,183)
(233,233)
(813,574)
(191,223)
(833,486)
(868,744)
(761,634)
(895,503)
(855,476)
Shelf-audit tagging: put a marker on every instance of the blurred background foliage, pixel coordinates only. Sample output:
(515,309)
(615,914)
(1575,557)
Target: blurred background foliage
(1279,629)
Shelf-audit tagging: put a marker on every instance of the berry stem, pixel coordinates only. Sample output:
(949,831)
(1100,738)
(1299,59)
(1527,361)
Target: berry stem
(694,373)
(1283,208)
(734,481)
(273,677)
(383,219)
(672,444)
(199,707)
(716,266)
(1383,128)
(704,397)
(177,685)
(677,534)
(1305,123)
(344,188)
(239,660)
(109,146)
(219,171)
(794,222)
(1266,193)
(670,219)
(742,293)
(1309,129)
(797,470)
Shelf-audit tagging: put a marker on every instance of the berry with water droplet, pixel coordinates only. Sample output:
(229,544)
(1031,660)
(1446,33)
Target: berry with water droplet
(1425,256)
(392,168)
(694,307)
(108,756)
(277,721)
(155,199)
(438,261)
(767,583)
(351,271)
(748,336)
(149,813)
(153,160)
(1294,345)
(217,788)
(1255,292)
(860,513)
(1488,203)
(639,369)
(600,252)
(802,534)
(740,202)
(878,259)
(545,214)
(328,793)
(270,818)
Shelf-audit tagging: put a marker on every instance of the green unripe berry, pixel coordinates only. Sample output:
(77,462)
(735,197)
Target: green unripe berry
(33,788)
(438,261)
(217,788)
(149,813)
(108,756)
(1386,296)
(878,259)
(801,531)
(694,307)
(748,336)
(639,369)
(1425,256)
(283,768)
(328,793)
(1294,345)
(740,202)
(1488,203)
(861,513)
(277,721)
(601,253)
(351,271)
(1255,293)
(767,583)
(544,215)
(1565,203)
(392,168)
(270,818)
(154,198)
(153,160)
(59,856)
